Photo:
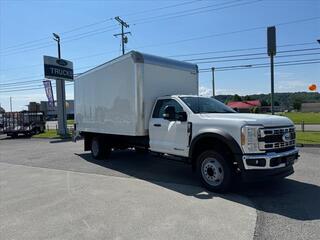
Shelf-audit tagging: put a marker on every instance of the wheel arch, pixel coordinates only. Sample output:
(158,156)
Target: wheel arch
(217,140)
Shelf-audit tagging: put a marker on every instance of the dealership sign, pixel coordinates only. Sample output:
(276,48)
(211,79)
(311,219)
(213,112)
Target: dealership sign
(57,68)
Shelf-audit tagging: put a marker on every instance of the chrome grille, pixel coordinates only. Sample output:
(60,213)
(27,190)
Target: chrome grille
(276,138)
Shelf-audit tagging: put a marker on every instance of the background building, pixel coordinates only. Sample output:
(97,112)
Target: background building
(245,106)
(51,112)
(310,107)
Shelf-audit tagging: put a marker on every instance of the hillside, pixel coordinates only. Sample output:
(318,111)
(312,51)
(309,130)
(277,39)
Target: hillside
(285,100)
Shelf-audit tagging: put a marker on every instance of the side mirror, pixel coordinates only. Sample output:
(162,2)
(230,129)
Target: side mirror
(182,116)
(169,113)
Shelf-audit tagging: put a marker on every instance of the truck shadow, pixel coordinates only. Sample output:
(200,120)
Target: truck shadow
(287,197)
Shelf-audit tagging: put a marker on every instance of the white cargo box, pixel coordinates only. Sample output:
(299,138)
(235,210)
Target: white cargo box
(117,97)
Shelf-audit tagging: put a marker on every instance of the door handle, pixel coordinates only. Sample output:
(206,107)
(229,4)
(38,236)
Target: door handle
(157,125)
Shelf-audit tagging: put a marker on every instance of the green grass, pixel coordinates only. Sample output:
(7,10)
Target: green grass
(70,121)
(298,117)
(308,137)
(51,134)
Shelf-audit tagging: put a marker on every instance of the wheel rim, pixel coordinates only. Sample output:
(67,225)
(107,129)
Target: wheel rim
(95,148)
(212,171)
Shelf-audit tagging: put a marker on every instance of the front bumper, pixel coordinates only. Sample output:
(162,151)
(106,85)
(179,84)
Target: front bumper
(263,175)
(270,160)
(264,166)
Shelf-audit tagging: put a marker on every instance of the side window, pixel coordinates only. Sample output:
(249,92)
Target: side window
(162,104)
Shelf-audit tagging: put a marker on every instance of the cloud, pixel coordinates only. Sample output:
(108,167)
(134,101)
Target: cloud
(207,92)
(204,91)
(291,85)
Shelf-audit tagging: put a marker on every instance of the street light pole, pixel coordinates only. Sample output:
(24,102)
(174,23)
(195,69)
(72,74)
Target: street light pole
(61,97)
(213,86)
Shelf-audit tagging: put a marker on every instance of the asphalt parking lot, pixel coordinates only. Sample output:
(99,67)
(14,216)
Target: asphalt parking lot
(54,190)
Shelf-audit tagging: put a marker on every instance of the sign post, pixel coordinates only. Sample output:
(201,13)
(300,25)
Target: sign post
(61,70)
(271,32)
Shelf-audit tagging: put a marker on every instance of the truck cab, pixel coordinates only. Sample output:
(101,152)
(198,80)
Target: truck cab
(221,143)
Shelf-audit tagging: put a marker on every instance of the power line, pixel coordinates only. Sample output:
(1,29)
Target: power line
(161,8)
(252,66)
(257,65)
(32,43)
(38,84)
(94,32)
(228,68)
(18,83)
(256,58)
(191,12)
(267,66)
(194,59)
(228,33)
(26,89)
(251,54)
(178,55)
(66,40)
(83,35)
(241,49)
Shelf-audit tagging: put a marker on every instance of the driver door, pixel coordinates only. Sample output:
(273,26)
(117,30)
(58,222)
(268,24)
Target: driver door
(168,136)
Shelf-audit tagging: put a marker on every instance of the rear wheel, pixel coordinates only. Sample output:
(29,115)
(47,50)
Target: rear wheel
(99,150)
(214,171)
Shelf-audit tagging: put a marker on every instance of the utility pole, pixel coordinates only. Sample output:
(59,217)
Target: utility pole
(124,38)
(271,35)
(10,104)
(272,82)
(213,87)
(61,97)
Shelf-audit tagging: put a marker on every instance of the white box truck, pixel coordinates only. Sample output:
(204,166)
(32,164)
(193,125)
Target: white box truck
(151,103)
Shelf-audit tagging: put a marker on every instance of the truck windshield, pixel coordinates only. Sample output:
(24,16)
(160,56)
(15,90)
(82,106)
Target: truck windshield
(206,105)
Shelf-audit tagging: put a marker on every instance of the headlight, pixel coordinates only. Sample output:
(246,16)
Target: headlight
(249,139)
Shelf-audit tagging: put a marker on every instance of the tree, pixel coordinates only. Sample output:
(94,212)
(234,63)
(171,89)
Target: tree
(247,98)
(264,103)
(297,104)
(236,97)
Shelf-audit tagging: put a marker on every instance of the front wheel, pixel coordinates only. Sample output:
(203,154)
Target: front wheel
(214,171)
(99,150)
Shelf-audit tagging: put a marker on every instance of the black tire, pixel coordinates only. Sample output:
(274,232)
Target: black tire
(214,171)
(37,131)
(13,135)
(99,150)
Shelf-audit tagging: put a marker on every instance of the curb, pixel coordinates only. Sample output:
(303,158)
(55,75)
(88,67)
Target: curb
(308,145)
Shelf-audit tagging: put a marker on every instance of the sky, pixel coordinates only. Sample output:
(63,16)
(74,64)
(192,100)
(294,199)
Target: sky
(215,33)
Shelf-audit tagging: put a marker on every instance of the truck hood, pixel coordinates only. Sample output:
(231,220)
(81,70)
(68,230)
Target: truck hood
(249,118)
